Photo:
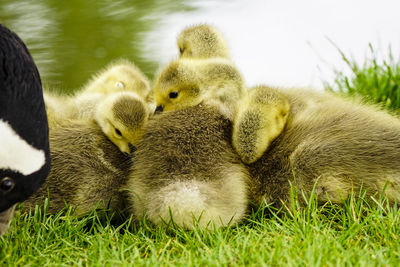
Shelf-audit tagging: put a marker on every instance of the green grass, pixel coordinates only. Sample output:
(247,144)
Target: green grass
(376,80)
(361,232)
(358,233)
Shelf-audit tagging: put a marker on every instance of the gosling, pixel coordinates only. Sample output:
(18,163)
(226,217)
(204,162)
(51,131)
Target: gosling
(189,82)
(202,41)
(119,76)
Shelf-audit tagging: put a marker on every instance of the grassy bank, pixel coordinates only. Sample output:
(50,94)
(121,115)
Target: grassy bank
(377,80)
(358,233)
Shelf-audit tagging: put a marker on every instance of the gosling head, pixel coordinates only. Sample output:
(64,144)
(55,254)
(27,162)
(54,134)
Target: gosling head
(189,82)
(202,41)
(120,76)
(122,117)
(178,87)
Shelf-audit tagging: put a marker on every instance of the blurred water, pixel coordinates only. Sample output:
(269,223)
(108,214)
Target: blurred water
(71,40)
(277,42)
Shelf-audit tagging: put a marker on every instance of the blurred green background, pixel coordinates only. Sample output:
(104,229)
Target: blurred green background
(71,40)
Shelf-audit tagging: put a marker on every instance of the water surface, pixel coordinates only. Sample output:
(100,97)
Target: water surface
(71,40)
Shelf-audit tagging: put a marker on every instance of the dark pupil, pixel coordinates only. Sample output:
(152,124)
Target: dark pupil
(7,184)
(173,95)
(181,50)
(118,132)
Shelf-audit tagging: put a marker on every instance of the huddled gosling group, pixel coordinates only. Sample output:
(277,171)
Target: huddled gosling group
(206,145)
(205,74)
(226,145)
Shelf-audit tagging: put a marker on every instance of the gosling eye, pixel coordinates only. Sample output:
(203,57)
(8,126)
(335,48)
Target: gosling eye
(118,132)
(120,85)
(181,50)
(7,184)
(173,95)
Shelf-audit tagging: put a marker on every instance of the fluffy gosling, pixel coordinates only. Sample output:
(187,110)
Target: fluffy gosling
(119,76)
(189,82)
(202,41)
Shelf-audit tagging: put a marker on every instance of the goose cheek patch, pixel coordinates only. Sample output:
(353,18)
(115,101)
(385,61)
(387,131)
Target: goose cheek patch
(16,154)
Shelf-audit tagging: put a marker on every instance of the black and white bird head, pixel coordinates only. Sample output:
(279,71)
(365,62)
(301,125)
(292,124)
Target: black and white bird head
(24,133)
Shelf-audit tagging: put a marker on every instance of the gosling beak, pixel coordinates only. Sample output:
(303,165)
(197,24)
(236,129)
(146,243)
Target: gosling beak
(159,109)
(123,146)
